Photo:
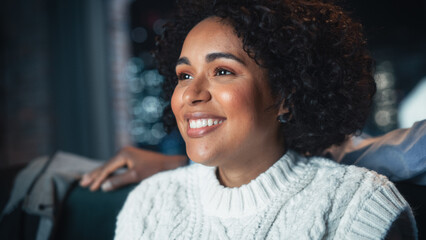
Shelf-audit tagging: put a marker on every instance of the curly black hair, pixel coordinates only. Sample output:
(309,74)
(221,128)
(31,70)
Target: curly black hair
(315,54)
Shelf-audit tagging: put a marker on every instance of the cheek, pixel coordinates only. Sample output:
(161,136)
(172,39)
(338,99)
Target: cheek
(240,107)
(176,104)
(176,101)
(249,106)
(239,99)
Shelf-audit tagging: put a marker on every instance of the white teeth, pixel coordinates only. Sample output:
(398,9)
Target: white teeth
(199,123)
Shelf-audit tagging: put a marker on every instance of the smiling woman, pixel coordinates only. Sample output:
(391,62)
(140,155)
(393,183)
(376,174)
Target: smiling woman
(218,81)
(258,89)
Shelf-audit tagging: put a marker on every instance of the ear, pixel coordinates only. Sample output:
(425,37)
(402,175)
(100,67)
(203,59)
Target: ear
(282,109)
(284,114)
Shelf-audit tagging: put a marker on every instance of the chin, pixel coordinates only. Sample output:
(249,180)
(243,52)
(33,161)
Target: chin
(202,158)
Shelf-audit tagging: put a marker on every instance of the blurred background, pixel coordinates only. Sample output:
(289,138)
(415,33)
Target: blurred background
(78,76)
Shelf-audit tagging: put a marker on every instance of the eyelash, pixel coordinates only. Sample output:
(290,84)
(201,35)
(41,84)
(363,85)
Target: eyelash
(183,76)
(217,72)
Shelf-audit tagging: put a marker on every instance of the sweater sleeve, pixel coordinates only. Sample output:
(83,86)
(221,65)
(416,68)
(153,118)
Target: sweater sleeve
(377,214)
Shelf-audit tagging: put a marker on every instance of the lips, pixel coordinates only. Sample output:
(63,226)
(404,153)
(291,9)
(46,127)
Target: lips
(200,124)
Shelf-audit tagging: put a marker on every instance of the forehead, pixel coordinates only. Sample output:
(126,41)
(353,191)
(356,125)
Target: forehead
(212,34)
(211,24)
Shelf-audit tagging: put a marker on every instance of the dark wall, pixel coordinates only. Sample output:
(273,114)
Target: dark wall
(79,81)
(54,85)
(25,114)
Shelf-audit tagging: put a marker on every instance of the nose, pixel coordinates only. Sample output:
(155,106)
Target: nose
(197,92)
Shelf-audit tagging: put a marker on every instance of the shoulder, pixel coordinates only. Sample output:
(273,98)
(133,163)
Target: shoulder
(163,179)
(163,183)
(163,192)
(372,202)
(329,170)
(358,184)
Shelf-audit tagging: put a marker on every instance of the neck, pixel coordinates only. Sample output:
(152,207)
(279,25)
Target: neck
(236,175)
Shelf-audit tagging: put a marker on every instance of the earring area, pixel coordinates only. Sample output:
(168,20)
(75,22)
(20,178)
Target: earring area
(284,118)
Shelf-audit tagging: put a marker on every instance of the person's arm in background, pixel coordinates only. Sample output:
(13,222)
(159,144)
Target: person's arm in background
(400,154)
(140,165)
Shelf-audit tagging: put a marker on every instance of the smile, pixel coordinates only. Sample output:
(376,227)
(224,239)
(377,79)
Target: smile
(200,123)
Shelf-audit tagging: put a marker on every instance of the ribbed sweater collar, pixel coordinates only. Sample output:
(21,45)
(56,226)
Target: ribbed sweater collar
(290,174)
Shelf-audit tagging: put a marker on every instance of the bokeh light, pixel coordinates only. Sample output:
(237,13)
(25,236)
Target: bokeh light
(145,102)
(413,107)
(139,34)
(385,101)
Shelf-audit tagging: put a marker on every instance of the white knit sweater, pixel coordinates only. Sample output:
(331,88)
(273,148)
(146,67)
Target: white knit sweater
(293,199)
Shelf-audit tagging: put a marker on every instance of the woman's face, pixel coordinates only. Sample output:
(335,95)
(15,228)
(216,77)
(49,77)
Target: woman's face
(222,102)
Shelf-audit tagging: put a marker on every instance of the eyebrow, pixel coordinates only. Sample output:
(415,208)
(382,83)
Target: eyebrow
(211,57)
(183,60)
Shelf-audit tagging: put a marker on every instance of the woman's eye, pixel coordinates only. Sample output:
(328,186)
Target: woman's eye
(184,76)
(221,71)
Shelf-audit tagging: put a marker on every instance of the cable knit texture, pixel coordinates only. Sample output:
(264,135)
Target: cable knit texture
(296,198)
